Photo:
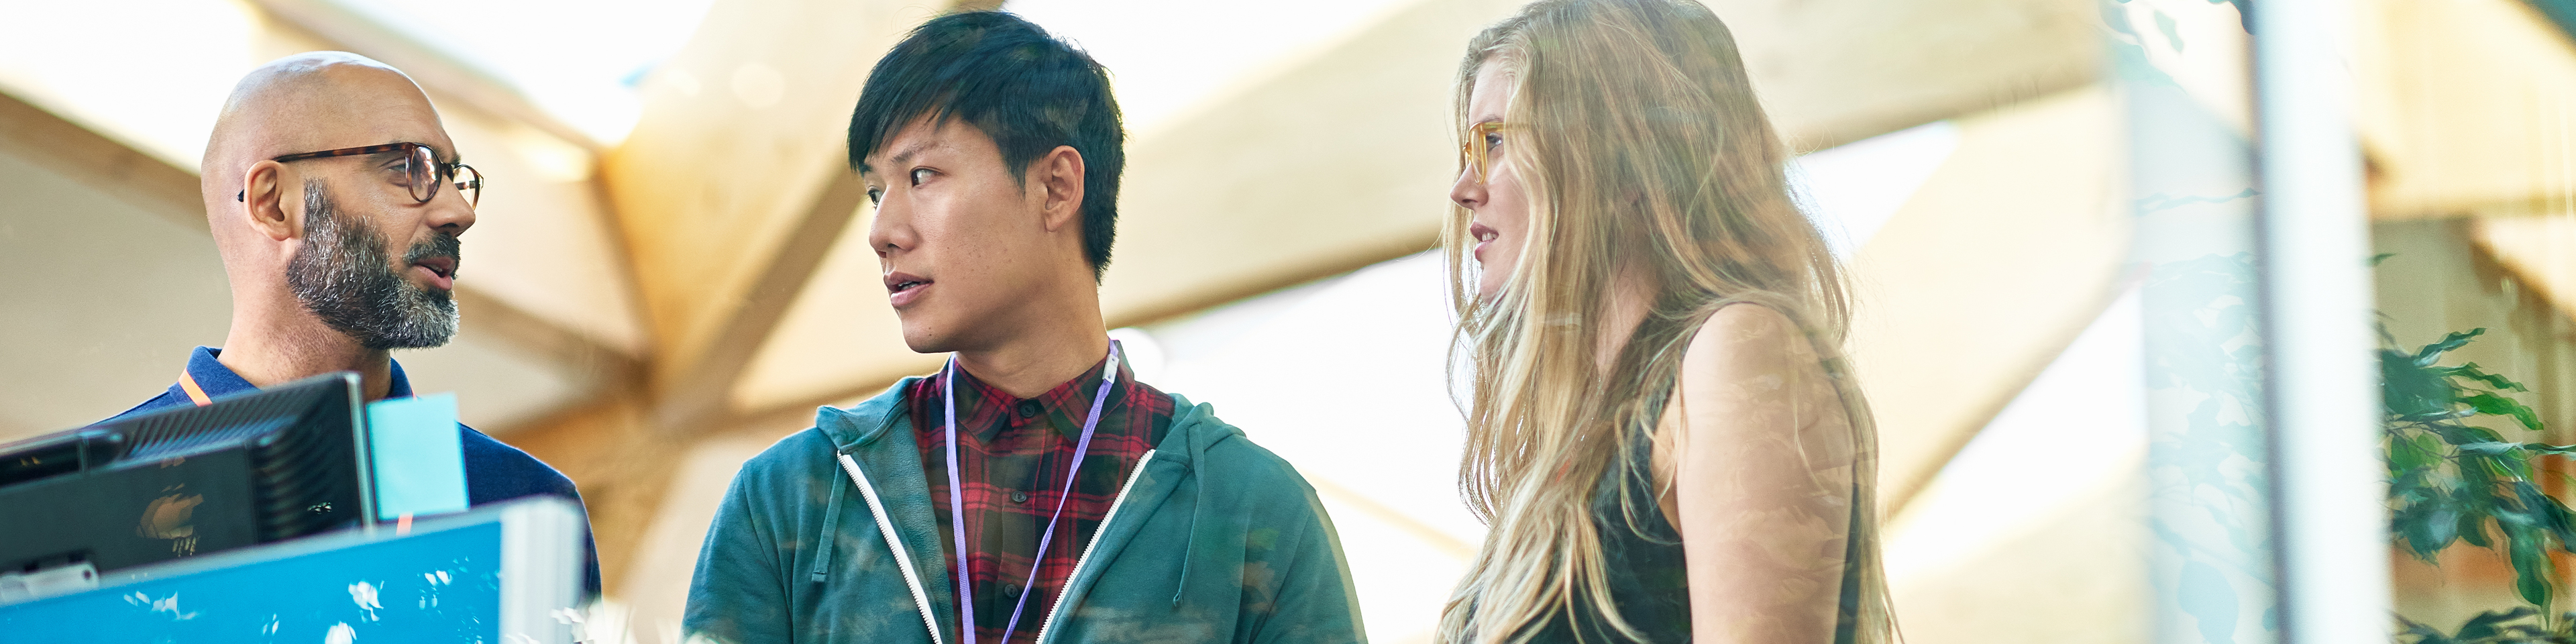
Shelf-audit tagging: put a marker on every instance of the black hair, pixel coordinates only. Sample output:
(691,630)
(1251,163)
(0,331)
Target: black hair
(1026,89)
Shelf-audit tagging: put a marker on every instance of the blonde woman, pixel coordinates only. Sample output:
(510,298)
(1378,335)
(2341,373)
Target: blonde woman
(1661,434)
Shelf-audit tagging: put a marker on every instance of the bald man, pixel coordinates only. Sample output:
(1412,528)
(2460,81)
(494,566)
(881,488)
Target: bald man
(336,200)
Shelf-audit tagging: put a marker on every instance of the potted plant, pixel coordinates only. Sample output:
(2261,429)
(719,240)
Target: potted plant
(2452,482)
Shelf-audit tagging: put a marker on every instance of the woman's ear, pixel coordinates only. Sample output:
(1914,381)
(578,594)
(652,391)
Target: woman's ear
(1060,174)
(263,199)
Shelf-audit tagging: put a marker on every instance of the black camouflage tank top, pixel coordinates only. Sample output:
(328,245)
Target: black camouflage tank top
(1648,580)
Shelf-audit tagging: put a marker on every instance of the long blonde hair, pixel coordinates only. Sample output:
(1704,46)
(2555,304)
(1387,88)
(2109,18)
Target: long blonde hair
(1636,132)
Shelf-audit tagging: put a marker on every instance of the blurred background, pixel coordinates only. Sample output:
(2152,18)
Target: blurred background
(668,271)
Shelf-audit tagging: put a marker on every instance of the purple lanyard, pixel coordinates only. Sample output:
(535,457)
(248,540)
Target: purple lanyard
(957,499)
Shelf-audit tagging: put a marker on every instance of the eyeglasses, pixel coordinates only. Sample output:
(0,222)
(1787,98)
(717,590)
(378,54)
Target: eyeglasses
(1476,149)
(423,173)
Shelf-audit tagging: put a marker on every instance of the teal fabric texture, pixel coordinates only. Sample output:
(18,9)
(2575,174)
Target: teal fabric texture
(828,536)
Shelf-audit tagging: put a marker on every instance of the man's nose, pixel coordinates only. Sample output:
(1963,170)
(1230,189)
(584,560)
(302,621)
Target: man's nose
(449,213)
(888,229)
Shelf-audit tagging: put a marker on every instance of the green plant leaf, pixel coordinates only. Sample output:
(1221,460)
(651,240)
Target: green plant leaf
(2434,351)
(2473,529)
(2410,391)
(2423,634)
(2487,624)
(2489,448)
(2475,480)
(2415,488)
(2553,514)
(2494,404)
(2411,453)
(2430,530)
(2481,470)
(2473,372)
(2531,568)
(2516,465)
(2458,434)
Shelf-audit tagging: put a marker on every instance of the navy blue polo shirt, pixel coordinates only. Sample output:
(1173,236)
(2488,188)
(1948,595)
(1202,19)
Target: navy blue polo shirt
(493,471)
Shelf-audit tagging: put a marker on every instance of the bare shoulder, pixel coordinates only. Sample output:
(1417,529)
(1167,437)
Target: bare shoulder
(1747,340)
(1756,413)
(1750,368)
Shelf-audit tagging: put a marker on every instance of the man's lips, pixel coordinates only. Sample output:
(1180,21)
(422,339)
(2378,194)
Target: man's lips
(902,288)
(441,270)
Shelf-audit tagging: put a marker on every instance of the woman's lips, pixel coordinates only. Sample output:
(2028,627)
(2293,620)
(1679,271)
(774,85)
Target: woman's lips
(1484,236)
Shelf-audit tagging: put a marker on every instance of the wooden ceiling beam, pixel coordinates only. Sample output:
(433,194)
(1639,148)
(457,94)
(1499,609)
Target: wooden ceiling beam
(548,250)
(1342,159)
(112,167)
(698,394)
(735,181)
(1835,72)
(2464,108)
(2026,213)
(1345,160)
(116,168)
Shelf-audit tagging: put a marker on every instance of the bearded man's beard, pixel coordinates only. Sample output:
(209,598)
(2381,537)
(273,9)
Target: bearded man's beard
(343,275)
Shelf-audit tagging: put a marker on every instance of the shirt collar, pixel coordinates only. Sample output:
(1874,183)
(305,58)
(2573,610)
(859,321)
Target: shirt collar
(218,380)
(212,376)
(1065,406)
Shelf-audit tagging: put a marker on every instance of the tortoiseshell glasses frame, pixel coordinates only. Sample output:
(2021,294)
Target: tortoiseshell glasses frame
(420,164)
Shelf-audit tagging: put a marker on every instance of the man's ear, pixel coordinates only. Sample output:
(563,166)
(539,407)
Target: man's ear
(264,202)
(1060,175)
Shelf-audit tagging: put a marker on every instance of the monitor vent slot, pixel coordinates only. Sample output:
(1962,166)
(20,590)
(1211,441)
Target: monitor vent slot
(167,435)
(306,483)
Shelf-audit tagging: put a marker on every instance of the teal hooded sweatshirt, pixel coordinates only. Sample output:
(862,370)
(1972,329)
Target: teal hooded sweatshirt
(830,536)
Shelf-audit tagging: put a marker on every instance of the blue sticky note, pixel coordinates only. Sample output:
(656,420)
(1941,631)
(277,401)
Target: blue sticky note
(419,456)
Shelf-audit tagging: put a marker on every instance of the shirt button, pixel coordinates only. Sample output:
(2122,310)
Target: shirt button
(1028,408)
(1019,496)
(1010,590)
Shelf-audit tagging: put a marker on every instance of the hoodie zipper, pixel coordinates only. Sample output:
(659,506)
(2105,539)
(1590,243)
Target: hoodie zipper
(1139,472)
(902,558)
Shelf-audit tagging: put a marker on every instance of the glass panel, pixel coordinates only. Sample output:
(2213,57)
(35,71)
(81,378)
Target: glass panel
(2465,107)
(2180,66)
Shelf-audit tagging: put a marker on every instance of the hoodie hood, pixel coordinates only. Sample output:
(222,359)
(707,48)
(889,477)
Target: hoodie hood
(865,422)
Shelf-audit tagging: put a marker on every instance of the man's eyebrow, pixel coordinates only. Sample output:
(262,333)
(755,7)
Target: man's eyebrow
(433,151)
(899,156)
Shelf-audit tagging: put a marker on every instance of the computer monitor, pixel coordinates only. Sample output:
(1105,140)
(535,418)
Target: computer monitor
(253,468)
(508,572)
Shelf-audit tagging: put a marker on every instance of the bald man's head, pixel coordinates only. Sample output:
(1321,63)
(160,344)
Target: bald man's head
(340,238)
(310,101)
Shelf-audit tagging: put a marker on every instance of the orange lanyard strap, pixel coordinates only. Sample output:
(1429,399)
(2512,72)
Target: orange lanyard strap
(188,383)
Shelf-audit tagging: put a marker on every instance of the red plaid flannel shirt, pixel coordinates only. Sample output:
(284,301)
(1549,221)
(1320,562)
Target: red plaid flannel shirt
(1014,452)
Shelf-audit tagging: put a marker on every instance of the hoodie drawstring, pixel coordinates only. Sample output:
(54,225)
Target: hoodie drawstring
(1198,455)
(829,540)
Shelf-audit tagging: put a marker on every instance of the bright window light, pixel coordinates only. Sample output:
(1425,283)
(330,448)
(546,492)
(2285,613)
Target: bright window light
(1166,56)
(1851,189)
(578,60)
